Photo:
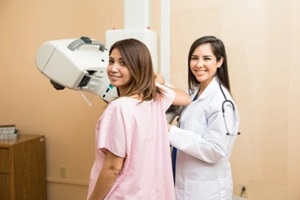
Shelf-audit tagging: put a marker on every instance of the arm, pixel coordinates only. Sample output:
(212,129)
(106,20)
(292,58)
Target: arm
(209,147)
(108,175)
(181,97)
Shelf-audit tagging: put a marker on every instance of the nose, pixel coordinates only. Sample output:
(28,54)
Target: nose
(114,67)
(200,63)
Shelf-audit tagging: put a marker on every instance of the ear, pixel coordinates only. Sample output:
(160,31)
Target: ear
(220,62)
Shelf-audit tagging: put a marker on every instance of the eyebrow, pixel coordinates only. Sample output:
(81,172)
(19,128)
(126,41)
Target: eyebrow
(203,56)
(110,57)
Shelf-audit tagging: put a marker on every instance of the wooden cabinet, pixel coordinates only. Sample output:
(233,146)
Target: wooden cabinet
(23,168)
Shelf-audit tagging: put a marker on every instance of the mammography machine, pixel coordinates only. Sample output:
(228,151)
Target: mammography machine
(80,64)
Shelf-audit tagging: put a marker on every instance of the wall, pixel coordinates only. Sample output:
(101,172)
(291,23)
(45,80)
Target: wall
(262,46)
(293,160)
(29,100)
(262,43)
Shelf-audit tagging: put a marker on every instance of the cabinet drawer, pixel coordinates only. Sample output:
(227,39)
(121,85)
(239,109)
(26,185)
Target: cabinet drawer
(4,160)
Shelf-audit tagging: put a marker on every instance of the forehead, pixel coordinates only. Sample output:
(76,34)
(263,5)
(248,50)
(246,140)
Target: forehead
(204,50)
(115,53)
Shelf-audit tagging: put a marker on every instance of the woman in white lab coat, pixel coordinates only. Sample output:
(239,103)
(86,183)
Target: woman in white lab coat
(204,137)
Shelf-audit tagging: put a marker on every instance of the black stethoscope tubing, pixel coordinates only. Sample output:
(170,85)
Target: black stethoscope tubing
(223,112)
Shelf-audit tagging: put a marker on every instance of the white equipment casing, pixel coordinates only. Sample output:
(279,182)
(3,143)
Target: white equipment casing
(147,36)
(78,64)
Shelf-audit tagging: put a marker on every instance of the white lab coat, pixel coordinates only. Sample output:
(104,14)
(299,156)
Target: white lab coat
(203,170)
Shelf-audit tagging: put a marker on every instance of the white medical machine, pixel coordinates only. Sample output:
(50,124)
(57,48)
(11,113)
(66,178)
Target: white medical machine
(80,64)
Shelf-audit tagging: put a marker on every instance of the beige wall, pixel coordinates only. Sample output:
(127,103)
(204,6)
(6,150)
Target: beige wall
(262,43)
(28,99)
(293,144)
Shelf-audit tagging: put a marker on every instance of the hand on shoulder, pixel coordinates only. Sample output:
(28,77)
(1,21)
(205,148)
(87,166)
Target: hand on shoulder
(159,79)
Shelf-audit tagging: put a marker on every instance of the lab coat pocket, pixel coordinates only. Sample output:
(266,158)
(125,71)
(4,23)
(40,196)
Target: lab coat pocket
(201,190)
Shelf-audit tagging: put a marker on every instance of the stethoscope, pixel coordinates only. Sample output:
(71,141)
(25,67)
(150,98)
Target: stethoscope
(226,101)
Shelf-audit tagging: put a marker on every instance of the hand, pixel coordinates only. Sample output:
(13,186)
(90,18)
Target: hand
(159,79)
(169,126)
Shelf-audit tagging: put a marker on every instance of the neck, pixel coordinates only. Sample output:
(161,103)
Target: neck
(201,89)
(136,96)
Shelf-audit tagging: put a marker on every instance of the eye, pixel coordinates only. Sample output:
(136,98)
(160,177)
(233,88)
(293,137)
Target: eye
(111,61)
(206,58)
(194,58)
(122,63)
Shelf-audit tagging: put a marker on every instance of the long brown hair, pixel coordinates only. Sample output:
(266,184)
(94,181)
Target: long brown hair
(138,60)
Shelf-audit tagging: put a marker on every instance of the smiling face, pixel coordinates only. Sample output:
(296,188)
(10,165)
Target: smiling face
(118,72)
(203,64)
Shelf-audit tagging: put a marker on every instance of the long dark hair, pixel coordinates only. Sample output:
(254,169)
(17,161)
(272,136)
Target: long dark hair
(138,60)
(218,49)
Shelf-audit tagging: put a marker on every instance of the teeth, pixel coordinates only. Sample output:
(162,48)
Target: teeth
(201,72)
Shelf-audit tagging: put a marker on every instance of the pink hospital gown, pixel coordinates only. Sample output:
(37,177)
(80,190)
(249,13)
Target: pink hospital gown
(137,132)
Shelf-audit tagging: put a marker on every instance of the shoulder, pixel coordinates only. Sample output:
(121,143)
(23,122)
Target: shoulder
(166,98)
(219,94)
(118,110)
(121,103)
(166,91)
(217,91)
(216,95)
(121,100)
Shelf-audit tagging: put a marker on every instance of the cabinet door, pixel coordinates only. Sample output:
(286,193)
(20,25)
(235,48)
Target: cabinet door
(29,170)
(4,160)
(4,187)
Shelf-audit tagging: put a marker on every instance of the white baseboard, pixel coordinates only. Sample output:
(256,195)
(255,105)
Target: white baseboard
(66,181)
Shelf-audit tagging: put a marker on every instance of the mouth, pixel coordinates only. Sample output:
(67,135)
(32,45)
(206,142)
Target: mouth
(200,72)
(114,77)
